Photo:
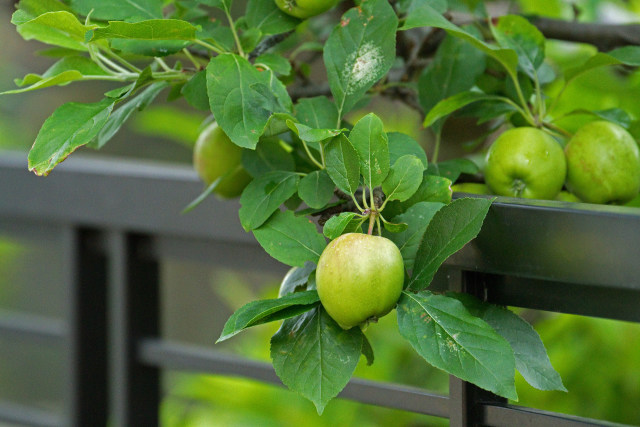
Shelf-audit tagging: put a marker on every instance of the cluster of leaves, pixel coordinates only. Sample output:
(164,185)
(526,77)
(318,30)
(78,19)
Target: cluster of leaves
(304,152)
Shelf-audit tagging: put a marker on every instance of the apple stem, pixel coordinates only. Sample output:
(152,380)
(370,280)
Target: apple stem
(372,221)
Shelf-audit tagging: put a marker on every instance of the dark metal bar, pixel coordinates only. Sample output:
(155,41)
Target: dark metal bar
(509,416)
(26,415)
(134,300)
(175,356)
(28,326)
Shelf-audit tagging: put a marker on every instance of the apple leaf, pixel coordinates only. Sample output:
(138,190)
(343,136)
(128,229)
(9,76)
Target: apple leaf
(456,102)
(268,156)
(296,279)
(316,189)
(118,9)
(531,357)
(417,217)
(615,115)
(432,189)
(268,18)
(447,336)
(152,29)
(401,144)
(404,178)
(515,32)
(371,143)
(628,55)
(317,112)
(59,28)
(309,134)
(71,126)
(451,169)
(243,99)
(360,51)
(314,356)
(346,222)
(269,310)
(290,239)
(195,91)
(452,227)
(343,164)
(29,9)
(264,195)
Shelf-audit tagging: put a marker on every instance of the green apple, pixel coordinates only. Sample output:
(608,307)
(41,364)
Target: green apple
(304,9)
(525,162)
(603,163)
(215,156)
(359,278)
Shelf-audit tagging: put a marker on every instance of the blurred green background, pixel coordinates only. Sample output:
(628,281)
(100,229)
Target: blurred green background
(599,360)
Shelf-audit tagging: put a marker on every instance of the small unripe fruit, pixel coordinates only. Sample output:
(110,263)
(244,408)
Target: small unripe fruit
(359,278)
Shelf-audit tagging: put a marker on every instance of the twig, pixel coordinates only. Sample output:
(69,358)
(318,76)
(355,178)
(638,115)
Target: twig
(268,43)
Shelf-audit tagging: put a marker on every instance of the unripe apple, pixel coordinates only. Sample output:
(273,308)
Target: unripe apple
(359,278)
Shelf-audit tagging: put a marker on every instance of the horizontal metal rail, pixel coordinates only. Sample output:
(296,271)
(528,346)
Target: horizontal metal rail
(26,415)
(27,326)
(511,415)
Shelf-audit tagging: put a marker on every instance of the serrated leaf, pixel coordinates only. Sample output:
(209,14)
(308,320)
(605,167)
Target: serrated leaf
(268,18)
(71,126)
(515,32)
(318,112)
(67,69)
(314,356)
(345,222)
(343,164)
(30,9)
(458,101)
(59,28)
(371,143)
(432,189)
(269,155)
(531,357)
(122,114)
(296,279)
(452,227)
(118,9)
(269,310)
(454,69)
(628,55)
(404,178)
(615,115)
(426,16)
(264,195)
(417,217)
(278,63)
(309,134)
(243,99)
(360,51)
(443,332)
(152,29)
(451,169)
(395,227)
(316,189)
(290,239)
(401,144)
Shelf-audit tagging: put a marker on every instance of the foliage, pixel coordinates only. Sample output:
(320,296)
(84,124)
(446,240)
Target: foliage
(251,72)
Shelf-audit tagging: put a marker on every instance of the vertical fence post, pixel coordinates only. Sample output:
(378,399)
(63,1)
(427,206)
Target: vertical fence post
(88,396)
(134,300)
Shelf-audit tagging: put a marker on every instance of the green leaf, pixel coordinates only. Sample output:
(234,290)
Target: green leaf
(426,16)
(515,32)
(268,18)
(456,102)
(243,99)
(263,311)
(195,91)
(308,134)
(628,55)
(343,164)
(29,9)
(417,217)
(118,9)
(152,29)
(452,227)
(154,48)
(318,112)
(296,279)
(314,356)
(316,189)
(615,115)
(432,189)
(401,144)
(56,28)
(442,331)
(122,114)
(71,126)
(360,51)
(264,195)
(290,239)
(531,357)
(278,63)
(268,156)
(452,169)
(454,69)
(345,222)
(404,178)
(371,143)
(395,227)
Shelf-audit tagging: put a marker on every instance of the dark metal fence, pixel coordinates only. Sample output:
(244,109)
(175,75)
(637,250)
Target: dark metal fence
(119,219)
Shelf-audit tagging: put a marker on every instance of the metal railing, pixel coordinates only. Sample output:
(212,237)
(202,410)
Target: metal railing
(119,219)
